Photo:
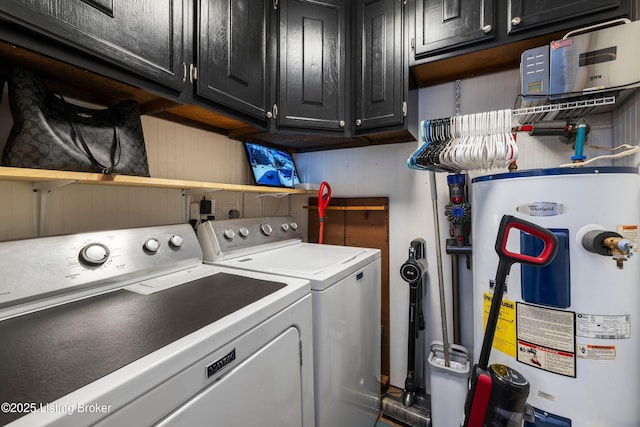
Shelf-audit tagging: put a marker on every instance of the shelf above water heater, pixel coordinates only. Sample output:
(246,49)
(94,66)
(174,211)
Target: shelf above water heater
(530,109)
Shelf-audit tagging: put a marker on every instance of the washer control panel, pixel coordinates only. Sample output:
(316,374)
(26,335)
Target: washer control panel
(224,239)
(77,261)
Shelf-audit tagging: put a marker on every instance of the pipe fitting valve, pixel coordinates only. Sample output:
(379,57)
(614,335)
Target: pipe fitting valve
(608,243)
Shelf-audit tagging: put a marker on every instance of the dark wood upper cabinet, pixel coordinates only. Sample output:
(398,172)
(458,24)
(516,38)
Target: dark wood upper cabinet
(525,15)
(145,35)
(232,54)
(311,64)
(307,74)
(380,71)
(448,24)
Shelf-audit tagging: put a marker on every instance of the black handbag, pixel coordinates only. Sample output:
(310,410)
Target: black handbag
(50,133)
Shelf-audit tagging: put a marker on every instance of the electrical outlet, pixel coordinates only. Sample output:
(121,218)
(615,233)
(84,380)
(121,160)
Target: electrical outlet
(194,211)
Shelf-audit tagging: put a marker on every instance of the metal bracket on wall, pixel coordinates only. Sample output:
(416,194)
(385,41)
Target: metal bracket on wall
(458,95)
(41,191)
(275,195)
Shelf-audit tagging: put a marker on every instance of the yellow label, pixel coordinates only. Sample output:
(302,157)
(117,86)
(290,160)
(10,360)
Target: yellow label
(505,337)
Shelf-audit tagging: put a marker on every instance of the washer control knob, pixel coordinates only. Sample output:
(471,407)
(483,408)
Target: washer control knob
(176,241)
(94,254)
(151,245)
(244,232)
(229,234)
(294,226)
(285,226)
(266,229)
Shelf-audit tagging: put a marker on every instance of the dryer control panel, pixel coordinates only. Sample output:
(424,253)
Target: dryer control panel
(231,238)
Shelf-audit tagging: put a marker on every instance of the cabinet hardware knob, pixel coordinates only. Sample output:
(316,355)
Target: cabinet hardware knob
(341,123)
(487,29)
(193,73)
(269,115)
(516,21)
(358,122)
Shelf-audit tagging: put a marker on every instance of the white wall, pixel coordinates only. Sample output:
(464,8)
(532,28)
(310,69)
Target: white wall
(626,126)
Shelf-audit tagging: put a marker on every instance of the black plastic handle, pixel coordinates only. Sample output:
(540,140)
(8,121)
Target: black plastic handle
(506,259)
(548,238)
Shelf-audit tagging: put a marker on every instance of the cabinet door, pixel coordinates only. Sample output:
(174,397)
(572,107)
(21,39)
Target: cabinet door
(446,24)
(525,14)
(232,54)
(379,66)
(311,81)
(144,36)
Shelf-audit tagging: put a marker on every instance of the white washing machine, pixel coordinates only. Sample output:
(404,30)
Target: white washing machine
(129,327)
(345,290)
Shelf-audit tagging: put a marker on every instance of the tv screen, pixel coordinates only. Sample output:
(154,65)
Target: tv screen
(271,166)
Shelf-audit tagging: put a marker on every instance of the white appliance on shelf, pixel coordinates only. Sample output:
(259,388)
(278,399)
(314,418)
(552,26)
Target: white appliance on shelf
(594,60)
(345,289)
(569,328)
(129,327)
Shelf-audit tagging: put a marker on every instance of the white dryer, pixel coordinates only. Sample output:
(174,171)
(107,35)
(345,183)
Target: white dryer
(345,290)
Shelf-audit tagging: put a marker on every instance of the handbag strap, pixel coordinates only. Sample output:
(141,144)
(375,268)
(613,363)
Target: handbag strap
(116,148)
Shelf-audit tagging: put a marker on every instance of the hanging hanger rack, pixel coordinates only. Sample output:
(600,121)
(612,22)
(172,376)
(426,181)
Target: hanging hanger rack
(466,142)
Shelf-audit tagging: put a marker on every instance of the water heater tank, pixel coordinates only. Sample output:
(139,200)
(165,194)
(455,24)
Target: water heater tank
(571,328)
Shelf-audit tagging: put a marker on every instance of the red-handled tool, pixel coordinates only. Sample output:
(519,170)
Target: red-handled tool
(495,385)
(324,196)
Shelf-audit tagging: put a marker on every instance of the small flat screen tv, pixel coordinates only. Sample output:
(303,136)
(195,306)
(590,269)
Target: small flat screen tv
(270,166)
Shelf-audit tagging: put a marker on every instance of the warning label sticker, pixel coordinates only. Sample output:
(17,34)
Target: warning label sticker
(596,352)
(548,359)
(545,326)
(505,336)
(607,327)
(546,338)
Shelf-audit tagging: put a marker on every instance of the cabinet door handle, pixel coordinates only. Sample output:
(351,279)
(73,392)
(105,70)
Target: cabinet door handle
(184,72)
(487,29)
(516,21)
(358,122)
(341,123)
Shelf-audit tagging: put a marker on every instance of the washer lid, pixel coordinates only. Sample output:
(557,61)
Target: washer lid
(317,263)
